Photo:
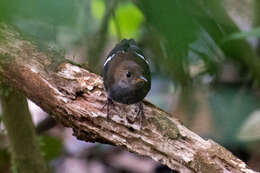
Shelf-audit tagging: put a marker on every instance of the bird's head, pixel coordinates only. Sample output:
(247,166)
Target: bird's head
(131,75)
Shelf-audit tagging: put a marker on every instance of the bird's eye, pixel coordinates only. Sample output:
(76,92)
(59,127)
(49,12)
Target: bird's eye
(128,74)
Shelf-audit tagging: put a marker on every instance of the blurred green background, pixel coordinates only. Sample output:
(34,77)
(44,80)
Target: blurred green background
(205,62)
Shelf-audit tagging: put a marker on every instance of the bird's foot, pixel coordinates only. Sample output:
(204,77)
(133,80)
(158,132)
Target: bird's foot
(108,103)
(140,113)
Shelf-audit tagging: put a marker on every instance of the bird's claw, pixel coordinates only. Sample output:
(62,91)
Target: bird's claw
(140,113)
(108,103)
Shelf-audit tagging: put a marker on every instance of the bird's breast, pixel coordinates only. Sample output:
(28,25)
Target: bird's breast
(128,95)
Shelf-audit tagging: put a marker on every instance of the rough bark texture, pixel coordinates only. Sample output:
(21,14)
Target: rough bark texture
(75,97)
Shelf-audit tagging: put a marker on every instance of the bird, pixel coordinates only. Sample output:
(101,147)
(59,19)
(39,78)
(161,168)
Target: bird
(126,76)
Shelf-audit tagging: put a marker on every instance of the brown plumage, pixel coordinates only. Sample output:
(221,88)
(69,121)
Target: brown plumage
(126,75)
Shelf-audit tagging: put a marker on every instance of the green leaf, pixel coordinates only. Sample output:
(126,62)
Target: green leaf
(98,9)
(242,35)
(129,18)
(183,25)
(50,147)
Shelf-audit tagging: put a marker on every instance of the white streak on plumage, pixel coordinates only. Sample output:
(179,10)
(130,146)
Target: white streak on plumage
(109,59)
(141,56)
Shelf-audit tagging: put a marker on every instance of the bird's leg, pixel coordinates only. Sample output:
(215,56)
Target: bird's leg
(140,113)
(108,103)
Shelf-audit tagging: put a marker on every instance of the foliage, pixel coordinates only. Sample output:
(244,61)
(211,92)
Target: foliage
(119,24)
(127,28)
(188,35)
(47,21)
(245,34)
(98,9)
(50,147)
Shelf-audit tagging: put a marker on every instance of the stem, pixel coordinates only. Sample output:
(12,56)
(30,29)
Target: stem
(98,42)
(25,150)
(257,21)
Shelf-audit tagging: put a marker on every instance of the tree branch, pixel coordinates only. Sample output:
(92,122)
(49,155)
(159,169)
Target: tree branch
(75,97)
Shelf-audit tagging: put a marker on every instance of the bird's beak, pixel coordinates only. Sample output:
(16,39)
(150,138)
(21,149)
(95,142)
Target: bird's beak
(141,79)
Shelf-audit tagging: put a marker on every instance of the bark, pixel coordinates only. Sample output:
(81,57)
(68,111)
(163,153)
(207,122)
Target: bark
(75,97)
